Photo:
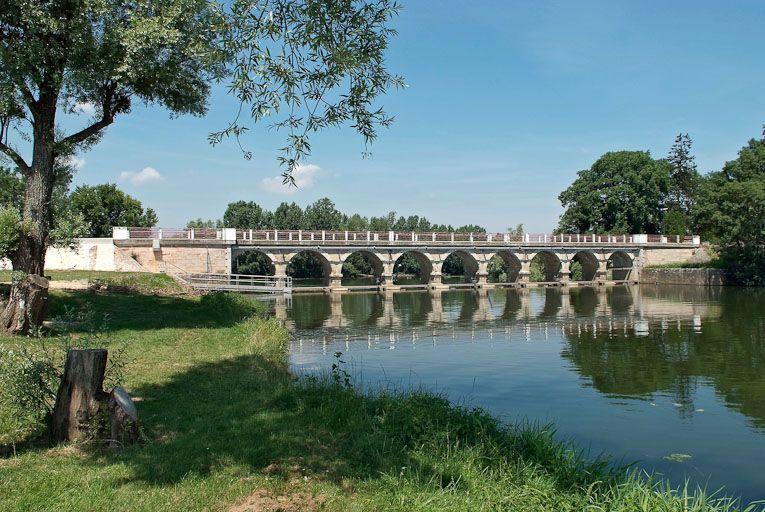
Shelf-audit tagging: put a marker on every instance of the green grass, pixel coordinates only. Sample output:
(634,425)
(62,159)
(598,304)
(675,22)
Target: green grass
(225,420)
(142,282)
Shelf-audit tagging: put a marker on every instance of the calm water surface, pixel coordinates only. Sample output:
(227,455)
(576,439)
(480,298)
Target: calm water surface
(638,373)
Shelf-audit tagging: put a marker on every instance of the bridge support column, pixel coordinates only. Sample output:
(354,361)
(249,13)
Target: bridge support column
(435,280)
(525,273)
(601,274)
(386,280)
(336,282)
(482,279)
(564,277)
(280,272)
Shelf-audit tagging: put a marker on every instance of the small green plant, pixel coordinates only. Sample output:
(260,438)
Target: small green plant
(340,376)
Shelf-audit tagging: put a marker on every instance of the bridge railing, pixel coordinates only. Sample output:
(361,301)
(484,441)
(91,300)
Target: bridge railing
(391,237)
(238,282)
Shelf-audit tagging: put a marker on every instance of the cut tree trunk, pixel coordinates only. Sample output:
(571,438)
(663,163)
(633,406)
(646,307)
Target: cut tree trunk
(80,395)
(26,305)
(83,410)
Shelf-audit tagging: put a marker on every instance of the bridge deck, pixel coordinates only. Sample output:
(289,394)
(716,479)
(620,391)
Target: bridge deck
(278,237)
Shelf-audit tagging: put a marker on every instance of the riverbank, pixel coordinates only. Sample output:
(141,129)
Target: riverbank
(228,428)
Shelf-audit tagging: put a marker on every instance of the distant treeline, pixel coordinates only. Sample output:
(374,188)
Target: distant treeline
(321,215)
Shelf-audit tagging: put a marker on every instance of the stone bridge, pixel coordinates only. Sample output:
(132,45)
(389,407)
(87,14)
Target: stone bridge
(603,258)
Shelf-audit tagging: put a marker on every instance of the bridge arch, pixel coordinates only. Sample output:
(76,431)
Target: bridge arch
(460,263)
(545,267)
(253,262)
(309,264)
(504,267)
(584,266)
(412,263)
(619,265)
(362,262)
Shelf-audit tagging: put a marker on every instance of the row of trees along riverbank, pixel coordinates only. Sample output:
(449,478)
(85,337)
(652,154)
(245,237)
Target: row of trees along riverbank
(631,192)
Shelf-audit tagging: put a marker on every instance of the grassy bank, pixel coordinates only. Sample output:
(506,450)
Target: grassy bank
(138,282)
(227,426)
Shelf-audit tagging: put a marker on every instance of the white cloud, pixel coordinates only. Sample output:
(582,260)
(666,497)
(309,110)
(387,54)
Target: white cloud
(145,175)
(85,107)
(74,162)
(305,177)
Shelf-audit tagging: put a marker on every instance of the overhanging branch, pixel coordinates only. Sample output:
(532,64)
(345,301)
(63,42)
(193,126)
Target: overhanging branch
(85,133)
(17,159)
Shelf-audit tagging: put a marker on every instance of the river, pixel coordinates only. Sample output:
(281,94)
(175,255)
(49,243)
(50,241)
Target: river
(670,378)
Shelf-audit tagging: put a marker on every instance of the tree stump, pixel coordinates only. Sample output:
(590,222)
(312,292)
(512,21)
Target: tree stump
(83,410)
(79,395)
(26,305)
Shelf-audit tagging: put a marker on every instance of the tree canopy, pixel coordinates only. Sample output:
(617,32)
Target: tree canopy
(730,210)
(322,214)
(623,192)
(106,206)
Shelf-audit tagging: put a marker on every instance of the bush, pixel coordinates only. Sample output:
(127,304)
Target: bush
(745,263)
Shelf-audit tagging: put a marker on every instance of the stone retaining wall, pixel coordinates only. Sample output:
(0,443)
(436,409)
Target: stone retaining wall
(691,276)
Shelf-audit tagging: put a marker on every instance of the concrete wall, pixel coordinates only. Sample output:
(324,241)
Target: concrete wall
(90,254)
(691,276)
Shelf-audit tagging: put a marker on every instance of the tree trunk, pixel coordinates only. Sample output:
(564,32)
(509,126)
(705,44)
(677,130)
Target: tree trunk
(80,395)
(83,410)
(29,257)
(27,304)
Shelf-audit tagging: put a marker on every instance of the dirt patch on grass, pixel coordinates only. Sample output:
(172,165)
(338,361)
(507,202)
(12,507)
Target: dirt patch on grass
(263,500)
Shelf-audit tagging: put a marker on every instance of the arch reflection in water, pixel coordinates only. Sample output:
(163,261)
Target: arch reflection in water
(639,373)
(620,308)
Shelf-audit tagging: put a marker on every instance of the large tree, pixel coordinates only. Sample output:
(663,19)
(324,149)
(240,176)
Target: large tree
(288,216)
(318,63)
(105,206)
(730,210)
(683,174)
(246,215)
(323,215)
(623,192)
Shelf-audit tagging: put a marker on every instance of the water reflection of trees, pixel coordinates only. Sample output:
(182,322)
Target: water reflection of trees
(619,299)
(310,311)
(464,304)
(584,300)
(362,309)
(729,353)
(413,308)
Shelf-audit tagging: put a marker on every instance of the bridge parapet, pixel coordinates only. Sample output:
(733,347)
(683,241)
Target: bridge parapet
(392,238)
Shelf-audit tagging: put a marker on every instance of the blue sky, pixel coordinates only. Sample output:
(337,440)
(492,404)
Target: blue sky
(506,102)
